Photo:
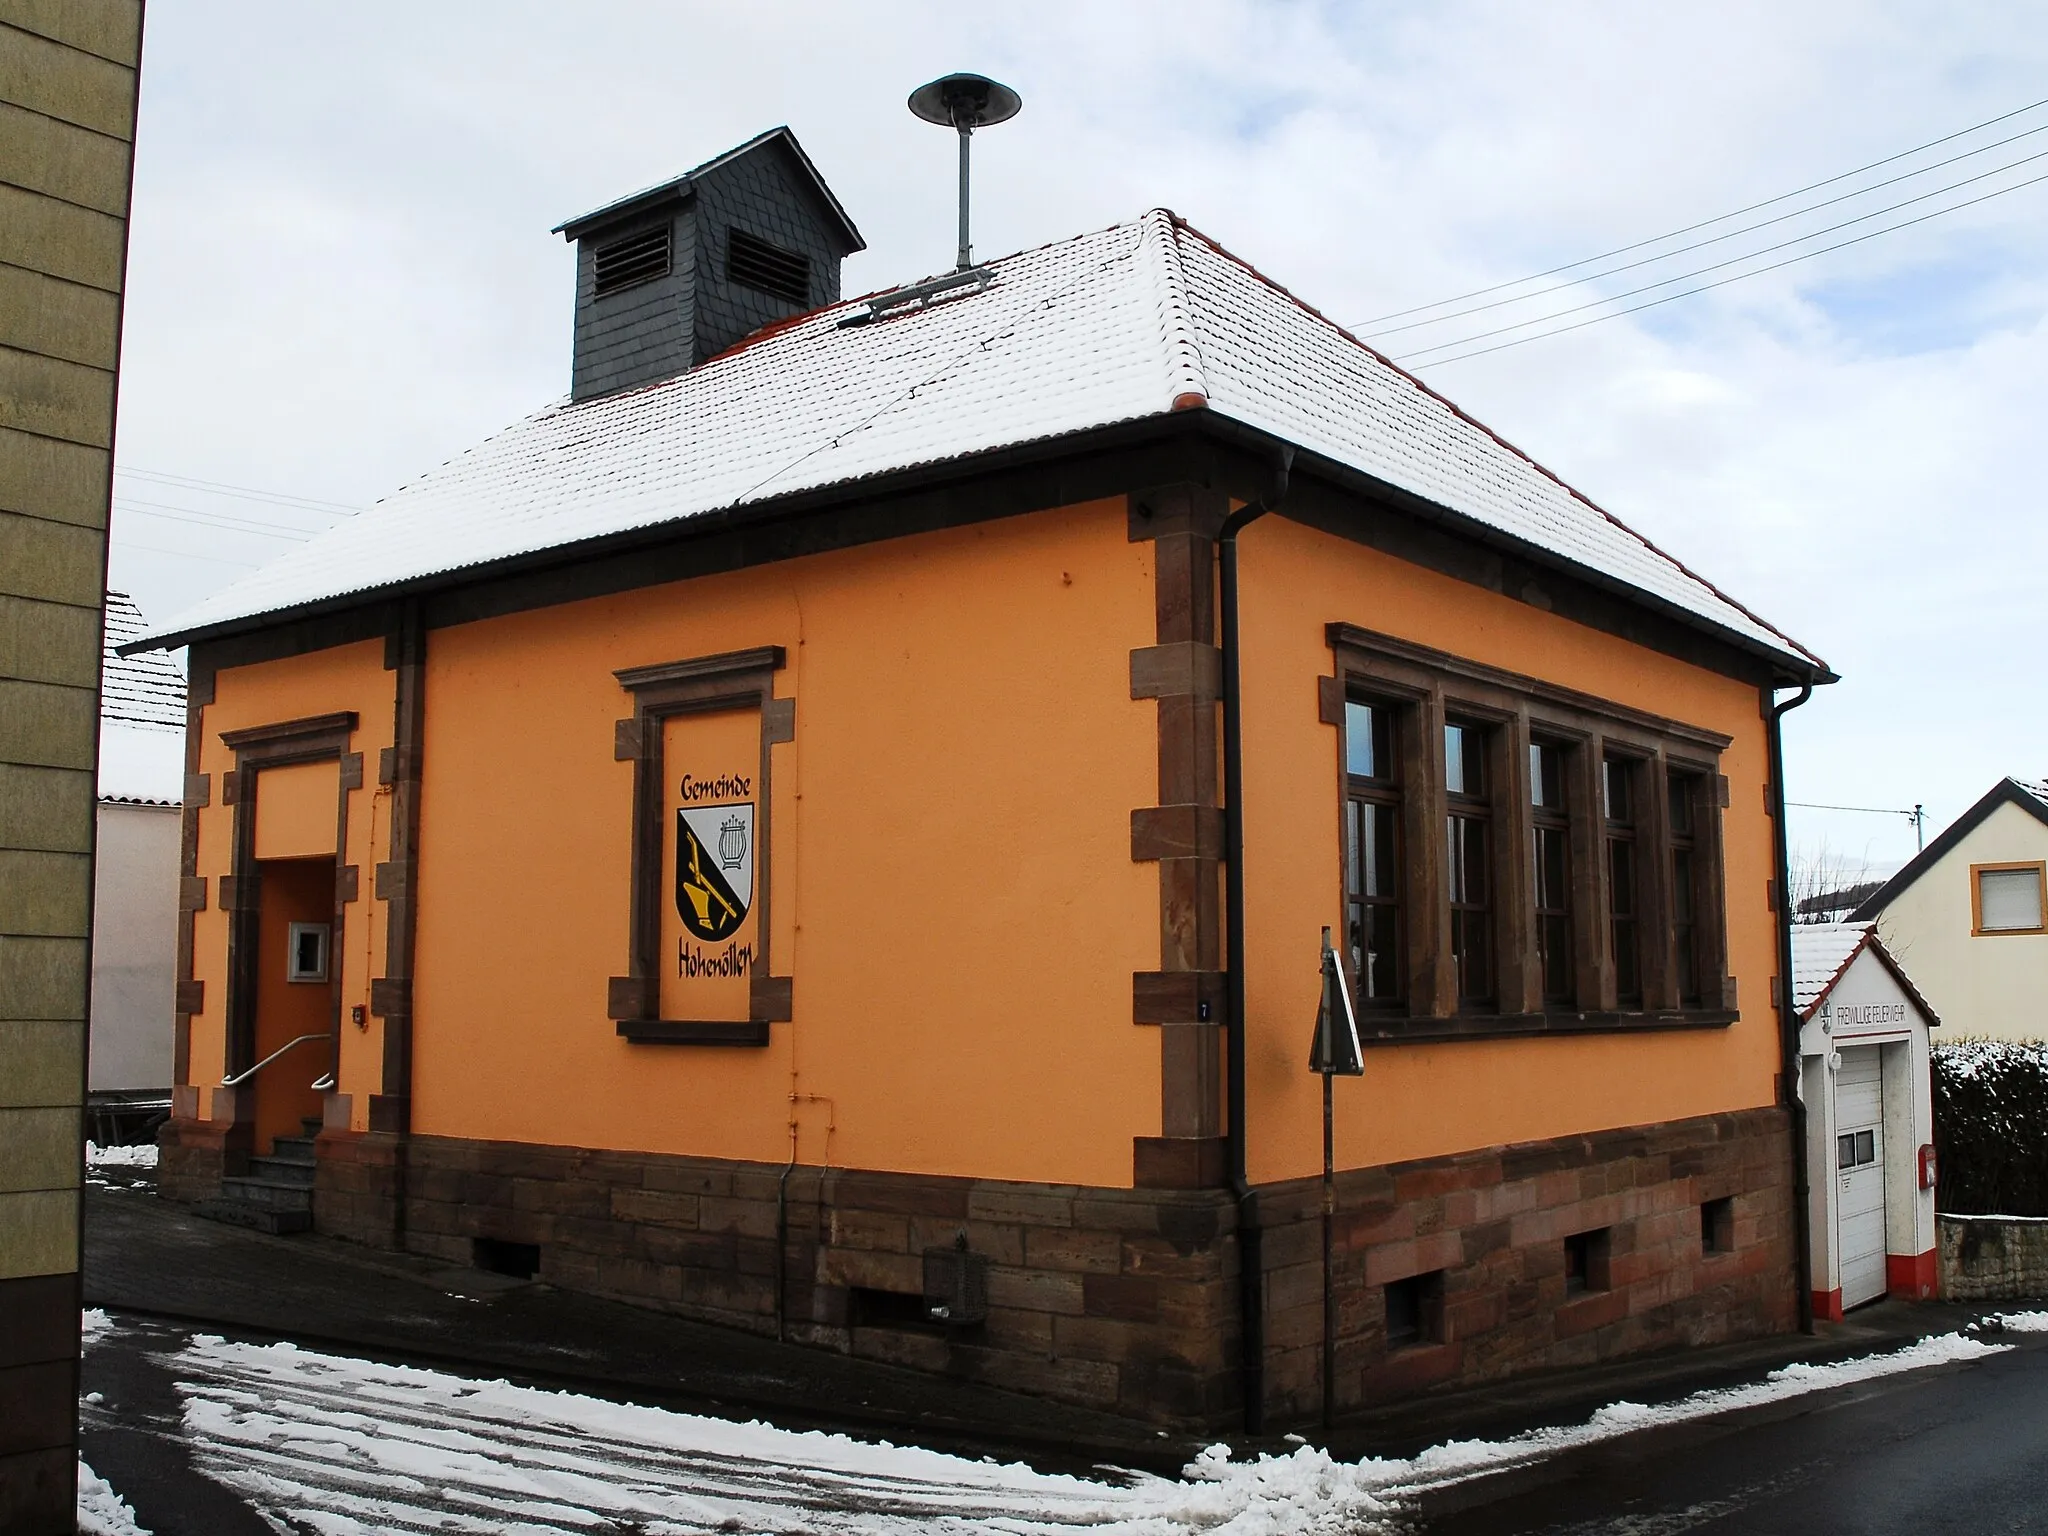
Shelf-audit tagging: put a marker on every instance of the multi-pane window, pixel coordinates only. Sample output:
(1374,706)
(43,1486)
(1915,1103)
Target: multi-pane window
(1587,898)
(1624,893)
(1683,790)
(1467,864)
(1550,862)
(1372,845)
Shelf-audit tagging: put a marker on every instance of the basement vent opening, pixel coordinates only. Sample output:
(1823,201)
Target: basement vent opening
(519,1260)
(867,1308)
(752,261)
(630,262)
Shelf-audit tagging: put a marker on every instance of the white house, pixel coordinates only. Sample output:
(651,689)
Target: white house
(1969,916)
(135,880)
(1863,1049)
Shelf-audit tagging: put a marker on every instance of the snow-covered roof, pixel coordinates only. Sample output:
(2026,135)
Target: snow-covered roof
(1117,326)
(143,689)
(142,715)
(1822,954)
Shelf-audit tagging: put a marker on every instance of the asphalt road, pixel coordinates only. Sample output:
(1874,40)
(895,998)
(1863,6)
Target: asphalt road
(1957,1448)
(1960,1448)
(131,1432)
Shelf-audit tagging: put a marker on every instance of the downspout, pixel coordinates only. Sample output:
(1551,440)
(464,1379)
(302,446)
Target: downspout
(1788,1007)
(1251,1276)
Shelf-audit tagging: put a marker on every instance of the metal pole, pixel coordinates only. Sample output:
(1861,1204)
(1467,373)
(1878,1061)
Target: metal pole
(966,258)
(1788,1011)
(1920,827)
(1329,1292)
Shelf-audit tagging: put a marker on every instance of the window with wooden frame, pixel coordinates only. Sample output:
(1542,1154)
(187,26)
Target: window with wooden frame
(1521,858)
(1550,868)
(1683,816)
(1468,871)
(1618,797)
(2008,898)
(1372,850)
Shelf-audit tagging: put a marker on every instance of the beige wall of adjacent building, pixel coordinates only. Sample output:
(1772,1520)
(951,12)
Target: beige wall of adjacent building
(1993,984)
(135,947)
(68,72)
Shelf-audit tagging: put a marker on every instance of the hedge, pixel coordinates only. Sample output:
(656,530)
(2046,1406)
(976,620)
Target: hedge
(1991,1127)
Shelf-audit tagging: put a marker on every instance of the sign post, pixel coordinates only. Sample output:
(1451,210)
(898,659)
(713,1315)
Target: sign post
(1335,1051)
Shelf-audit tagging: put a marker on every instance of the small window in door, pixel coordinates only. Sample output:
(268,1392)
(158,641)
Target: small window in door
(1855,1149)
(308,958)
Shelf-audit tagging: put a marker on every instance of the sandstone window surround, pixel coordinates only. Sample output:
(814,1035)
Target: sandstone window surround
(1557,857)
(729,680)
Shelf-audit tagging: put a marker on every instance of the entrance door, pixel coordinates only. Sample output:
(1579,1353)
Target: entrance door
(295,993)
(1859,1172)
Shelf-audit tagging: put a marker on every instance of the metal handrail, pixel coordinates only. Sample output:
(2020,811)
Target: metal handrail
(243,1077)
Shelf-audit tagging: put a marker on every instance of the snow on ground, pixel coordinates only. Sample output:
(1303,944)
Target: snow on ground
(2023,1322)
(338,1446)
(97,1156)
(101,1511)
(117,1168)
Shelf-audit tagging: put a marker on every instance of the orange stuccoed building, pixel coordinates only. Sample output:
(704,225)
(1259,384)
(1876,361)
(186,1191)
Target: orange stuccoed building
(830,830)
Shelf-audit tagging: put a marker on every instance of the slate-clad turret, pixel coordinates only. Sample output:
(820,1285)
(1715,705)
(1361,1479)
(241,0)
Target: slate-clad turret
(677,273)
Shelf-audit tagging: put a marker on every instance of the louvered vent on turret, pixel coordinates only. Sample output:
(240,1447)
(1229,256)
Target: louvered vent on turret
(754,263)
(632,261)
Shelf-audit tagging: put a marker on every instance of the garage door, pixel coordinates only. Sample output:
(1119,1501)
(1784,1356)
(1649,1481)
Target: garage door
(1859,1173)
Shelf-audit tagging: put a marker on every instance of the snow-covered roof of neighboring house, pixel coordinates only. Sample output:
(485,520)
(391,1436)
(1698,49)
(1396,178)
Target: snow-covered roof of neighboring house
(144,689)
(1123,325)
(142,715)
(2029,797)
(1822,954)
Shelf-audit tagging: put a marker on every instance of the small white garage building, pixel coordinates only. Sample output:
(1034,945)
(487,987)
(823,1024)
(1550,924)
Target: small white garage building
(1869,1118)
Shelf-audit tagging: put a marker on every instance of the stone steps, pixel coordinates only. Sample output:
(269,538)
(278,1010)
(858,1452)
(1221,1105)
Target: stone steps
(276,1195)
(260,1218)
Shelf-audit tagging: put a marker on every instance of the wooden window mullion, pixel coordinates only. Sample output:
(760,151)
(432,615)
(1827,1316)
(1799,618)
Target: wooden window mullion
(1717,987)
(1653,884)
(1432,979)
(1589,877)
(1519,975)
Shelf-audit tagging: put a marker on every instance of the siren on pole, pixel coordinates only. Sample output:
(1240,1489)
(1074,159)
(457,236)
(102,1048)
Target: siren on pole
(964,103)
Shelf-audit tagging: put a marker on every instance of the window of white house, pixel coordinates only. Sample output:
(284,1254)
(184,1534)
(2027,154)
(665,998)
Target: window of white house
(2008,898)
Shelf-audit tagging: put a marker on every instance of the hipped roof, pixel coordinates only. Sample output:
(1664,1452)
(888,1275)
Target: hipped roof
(1125,325)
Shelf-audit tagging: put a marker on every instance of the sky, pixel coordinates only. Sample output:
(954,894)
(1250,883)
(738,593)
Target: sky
(341,271)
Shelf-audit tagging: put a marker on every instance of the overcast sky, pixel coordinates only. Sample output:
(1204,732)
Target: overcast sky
(341,272)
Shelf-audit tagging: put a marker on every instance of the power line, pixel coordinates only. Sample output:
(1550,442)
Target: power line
(1747,229)
(1917,815)
(222,520)
(157,549)
(241,492)
(1665,282)
(1622,250)
(1580,325)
